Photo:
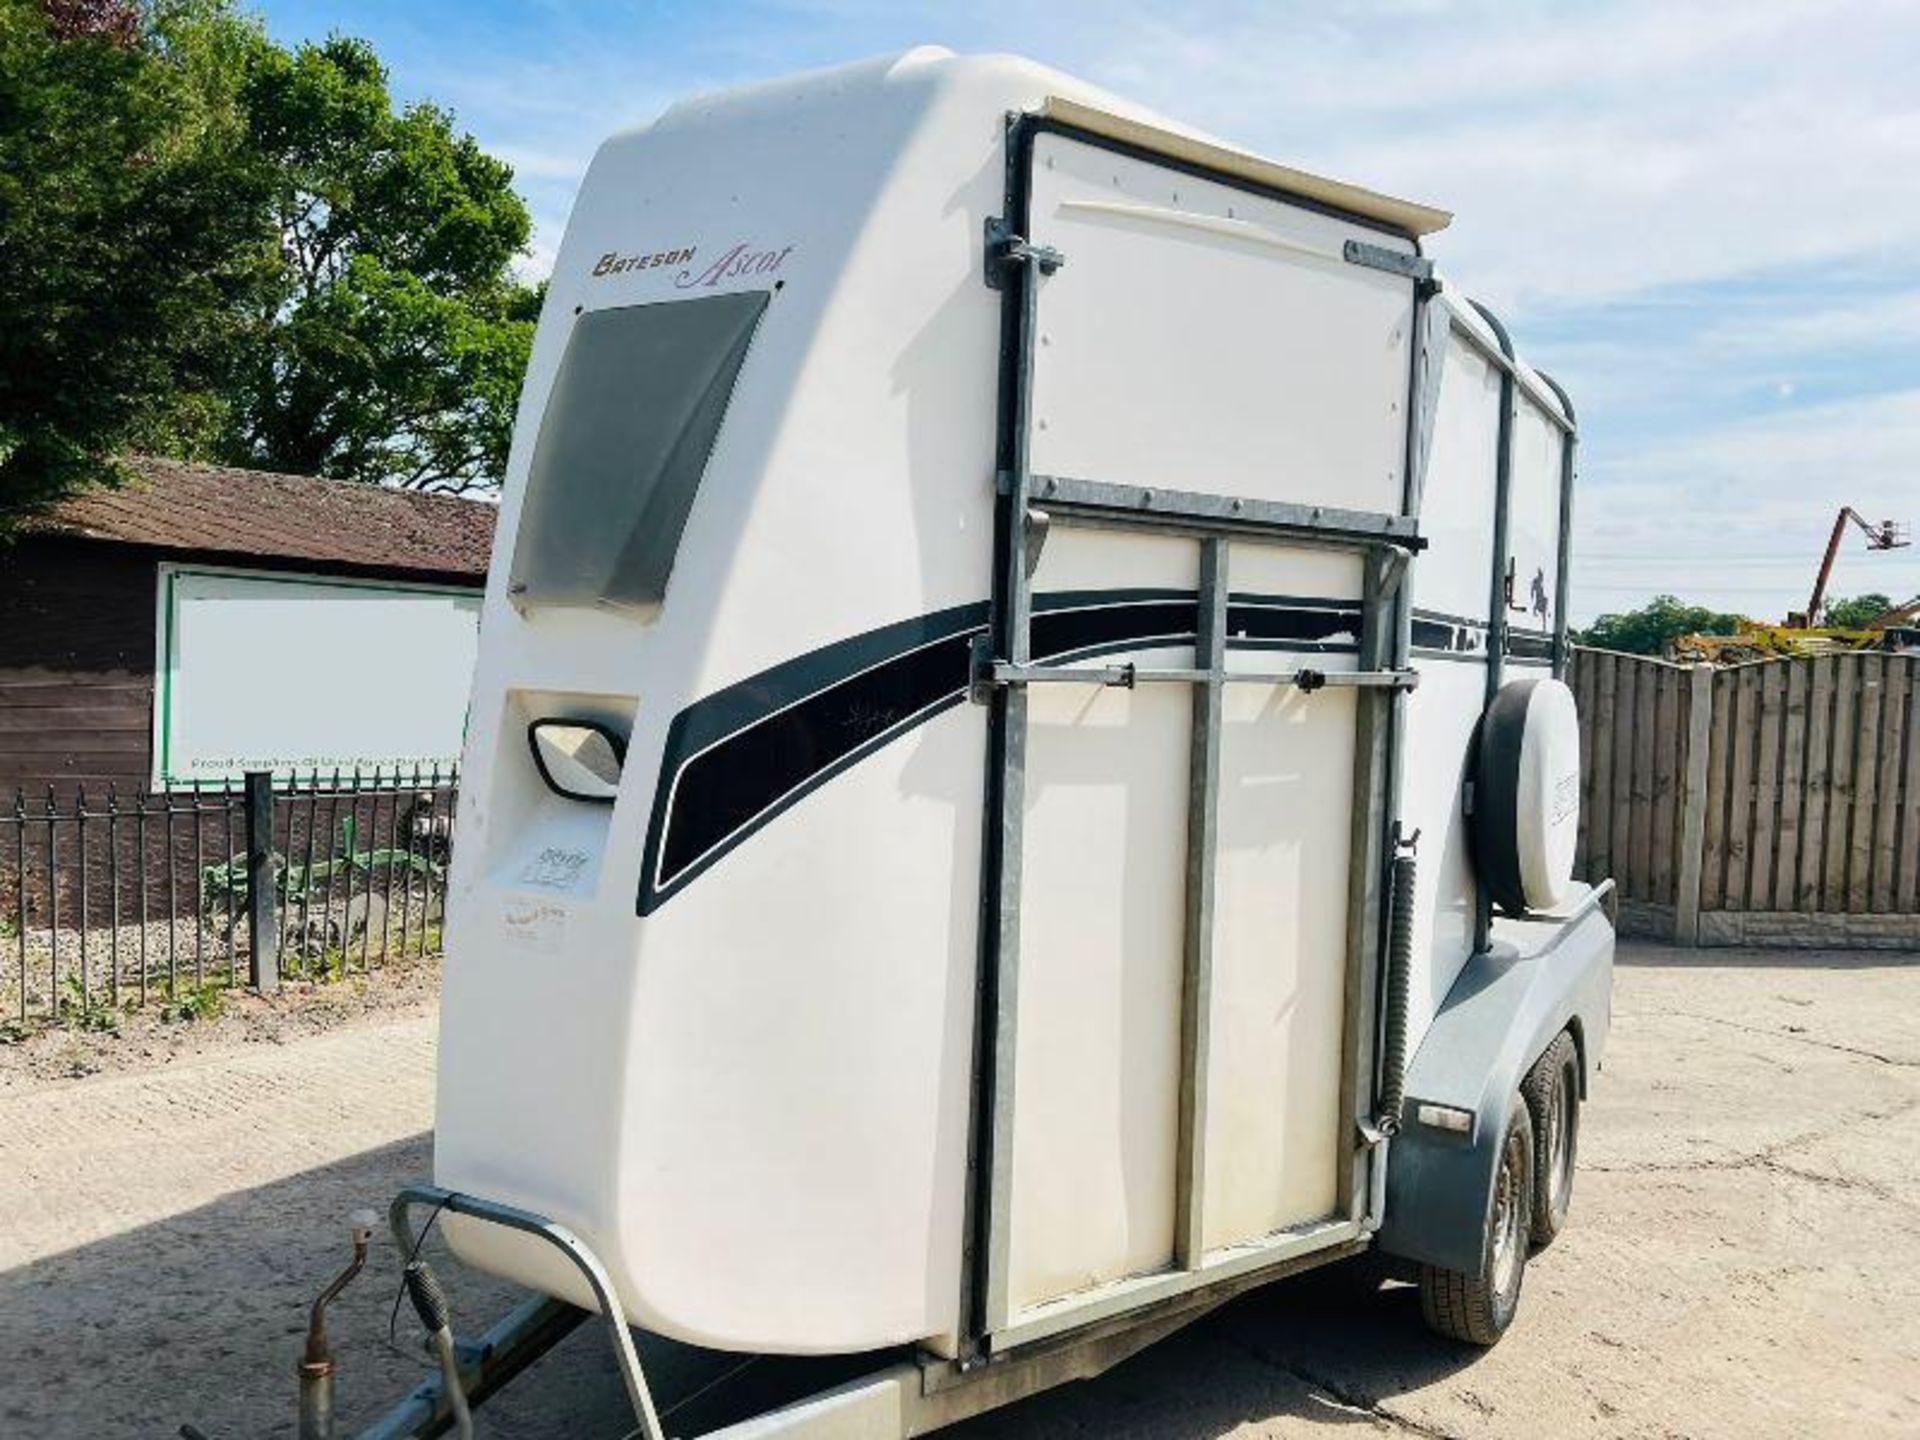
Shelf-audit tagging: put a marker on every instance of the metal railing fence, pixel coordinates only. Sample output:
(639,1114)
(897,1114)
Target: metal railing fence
(110,900)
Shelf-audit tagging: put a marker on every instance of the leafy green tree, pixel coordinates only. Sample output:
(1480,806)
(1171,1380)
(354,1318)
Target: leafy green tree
(133,235)
(217,248)
(1647,630)
(1857,613)
(395,344)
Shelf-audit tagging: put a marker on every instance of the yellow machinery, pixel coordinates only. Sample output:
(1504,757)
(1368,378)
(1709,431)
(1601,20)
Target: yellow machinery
(1893,629)
(1758,640)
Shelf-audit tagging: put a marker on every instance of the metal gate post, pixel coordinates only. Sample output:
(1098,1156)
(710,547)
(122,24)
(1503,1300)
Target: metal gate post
(1017,265)
(263,928)
(1203,826)
(1497,597)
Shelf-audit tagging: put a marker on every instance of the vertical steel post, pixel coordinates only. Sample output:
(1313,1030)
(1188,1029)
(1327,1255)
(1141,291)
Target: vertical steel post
(1203,827)
(393,846)
(1386,640)
(304,929)
(173,903)
(1563,577)
(233,920)
(406,878)
(263,970)
(1497,594)
(86,910)
(1020,272)
(113,892)
(20,889)
(1374,811)
(366,874)
(53,906)
(334,866)
(140,849)
(199,891)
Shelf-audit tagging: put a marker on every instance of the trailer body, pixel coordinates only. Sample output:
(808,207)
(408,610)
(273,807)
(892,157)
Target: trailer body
(1037,569)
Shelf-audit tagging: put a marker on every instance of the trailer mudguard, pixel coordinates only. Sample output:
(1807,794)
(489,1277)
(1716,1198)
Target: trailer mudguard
(1538,978)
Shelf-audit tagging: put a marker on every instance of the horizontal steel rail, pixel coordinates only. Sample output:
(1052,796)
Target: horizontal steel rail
(1172,511)
(1544,399)
(1126,677)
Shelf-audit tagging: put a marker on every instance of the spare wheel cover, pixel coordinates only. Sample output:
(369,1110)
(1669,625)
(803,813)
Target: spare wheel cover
(1527,795)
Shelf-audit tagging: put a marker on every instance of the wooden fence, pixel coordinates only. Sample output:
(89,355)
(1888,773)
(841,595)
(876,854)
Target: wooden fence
(1771,802)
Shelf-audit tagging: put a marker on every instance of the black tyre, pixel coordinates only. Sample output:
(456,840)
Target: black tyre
(1478,1308)
(1552,1091)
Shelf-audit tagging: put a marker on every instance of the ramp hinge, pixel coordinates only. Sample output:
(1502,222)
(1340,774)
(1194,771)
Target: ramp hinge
(1006,249)
(1394,262)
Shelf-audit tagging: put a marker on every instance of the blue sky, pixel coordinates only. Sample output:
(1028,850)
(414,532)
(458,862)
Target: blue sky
(1704,219)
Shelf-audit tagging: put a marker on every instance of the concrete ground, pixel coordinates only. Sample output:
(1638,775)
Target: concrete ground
(1743,1260)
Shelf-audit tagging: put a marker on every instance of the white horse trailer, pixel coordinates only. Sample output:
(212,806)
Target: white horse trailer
(1018,783)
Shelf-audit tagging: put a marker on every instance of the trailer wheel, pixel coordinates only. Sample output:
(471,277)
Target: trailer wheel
(1552,1091)
(1478,1308)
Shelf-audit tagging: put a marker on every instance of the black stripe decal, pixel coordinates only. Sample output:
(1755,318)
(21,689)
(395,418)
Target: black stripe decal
(1529,645)
(1286,622)
(1448,636)
(740,756)
(737,757)
(1441,636)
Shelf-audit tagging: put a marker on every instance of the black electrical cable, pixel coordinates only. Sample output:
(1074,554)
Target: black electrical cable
(400,1290)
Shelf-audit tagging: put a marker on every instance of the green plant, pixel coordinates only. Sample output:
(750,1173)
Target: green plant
(203,1002)
(75,1013)
(225,884)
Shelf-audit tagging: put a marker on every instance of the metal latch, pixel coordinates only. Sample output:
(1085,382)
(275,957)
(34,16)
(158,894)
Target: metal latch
(1394,262)
(1005,249)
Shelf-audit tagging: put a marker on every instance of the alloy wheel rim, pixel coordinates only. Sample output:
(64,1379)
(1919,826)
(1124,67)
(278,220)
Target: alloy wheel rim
(1507,1211)
(1559,1140)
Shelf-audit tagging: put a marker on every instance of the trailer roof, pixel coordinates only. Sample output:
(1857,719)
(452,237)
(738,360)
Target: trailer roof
(1406,216)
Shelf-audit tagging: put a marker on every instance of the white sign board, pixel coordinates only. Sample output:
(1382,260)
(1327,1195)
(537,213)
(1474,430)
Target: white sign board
(304,675)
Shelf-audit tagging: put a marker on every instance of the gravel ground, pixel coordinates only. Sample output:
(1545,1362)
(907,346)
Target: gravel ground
(181,958)
(211,1023)
(1744,1256)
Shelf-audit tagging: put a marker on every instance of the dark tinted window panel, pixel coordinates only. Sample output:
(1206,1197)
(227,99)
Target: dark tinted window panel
(636,406)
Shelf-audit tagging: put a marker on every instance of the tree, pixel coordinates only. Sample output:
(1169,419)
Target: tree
(395,344)
(1857,613)
(132,234)
(217,248)
(1647,630)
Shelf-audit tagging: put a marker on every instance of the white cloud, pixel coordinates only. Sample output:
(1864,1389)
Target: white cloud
(1589,153)
(1737,514)
(1875,319)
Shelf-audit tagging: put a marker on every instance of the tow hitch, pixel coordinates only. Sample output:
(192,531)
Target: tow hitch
(317,1364)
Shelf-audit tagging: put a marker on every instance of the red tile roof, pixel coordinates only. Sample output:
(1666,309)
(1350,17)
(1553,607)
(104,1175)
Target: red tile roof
(249,514)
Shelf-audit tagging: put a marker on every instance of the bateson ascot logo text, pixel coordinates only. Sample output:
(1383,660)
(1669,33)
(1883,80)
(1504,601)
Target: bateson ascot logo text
(741,260)
(614,263)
